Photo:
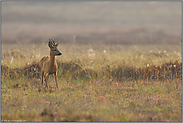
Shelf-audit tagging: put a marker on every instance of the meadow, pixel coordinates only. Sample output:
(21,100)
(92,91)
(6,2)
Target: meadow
(97,82)
(120,63)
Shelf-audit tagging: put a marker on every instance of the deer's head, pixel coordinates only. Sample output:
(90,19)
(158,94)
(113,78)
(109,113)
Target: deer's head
(53,48)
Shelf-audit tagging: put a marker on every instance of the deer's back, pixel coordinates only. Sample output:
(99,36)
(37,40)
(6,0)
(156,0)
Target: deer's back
(45,58)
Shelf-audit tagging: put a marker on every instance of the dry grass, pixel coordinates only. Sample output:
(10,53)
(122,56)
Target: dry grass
(97,83)
(123,63)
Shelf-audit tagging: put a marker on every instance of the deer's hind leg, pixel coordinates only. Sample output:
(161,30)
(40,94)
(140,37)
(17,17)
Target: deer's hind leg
(46,80)
(42,76)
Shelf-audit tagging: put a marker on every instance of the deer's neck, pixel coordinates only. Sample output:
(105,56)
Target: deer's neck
(52,61)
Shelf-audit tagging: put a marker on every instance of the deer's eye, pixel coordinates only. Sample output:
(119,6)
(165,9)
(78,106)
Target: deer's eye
(54,50)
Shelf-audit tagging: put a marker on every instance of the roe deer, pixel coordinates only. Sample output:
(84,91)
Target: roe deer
(48,64)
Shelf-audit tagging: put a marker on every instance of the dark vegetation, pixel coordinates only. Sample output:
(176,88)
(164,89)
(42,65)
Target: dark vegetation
(163,72)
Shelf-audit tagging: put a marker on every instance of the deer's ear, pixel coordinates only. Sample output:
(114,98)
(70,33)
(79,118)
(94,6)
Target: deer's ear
(50,43)
(57,44)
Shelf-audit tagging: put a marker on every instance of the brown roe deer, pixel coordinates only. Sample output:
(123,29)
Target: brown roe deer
(48,64)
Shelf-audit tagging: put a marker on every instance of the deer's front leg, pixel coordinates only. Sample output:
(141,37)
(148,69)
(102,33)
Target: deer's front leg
(56,79)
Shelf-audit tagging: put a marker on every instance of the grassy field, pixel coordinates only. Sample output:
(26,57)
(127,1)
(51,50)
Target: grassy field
(96,83)
(122,61)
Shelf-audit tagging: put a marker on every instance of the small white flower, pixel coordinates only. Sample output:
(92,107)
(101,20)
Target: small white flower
(11,60)
(91,52)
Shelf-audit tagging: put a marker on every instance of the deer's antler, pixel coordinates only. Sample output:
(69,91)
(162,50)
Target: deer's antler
(51,43)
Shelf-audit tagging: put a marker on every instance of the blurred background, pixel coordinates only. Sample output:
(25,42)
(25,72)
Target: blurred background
(86,22)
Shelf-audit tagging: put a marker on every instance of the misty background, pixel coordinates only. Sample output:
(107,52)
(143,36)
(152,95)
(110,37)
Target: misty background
(91,22)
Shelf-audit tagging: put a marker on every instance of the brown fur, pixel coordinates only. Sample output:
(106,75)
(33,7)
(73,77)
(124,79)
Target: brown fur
(43,60)
(48,64)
